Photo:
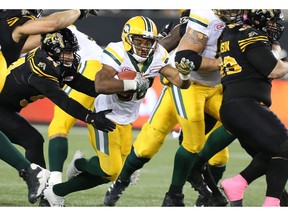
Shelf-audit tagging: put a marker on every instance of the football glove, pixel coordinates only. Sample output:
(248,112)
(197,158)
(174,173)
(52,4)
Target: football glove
(86,12)
(99,121)
(185,66)
(142,85)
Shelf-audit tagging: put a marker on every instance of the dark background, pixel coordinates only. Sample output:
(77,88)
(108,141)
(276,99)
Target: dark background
(107,27)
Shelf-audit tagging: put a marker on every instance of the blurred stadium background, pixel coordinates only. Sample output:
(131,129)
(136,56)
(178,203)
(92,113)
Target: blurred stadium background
(156,175)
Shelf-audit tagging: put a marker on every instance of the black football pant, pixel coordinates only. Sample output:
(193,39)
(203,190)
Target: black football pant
(21,132)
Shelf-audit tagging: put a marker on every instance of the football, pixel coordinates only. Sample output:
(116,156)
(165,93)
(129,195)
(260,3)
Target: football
(127,75)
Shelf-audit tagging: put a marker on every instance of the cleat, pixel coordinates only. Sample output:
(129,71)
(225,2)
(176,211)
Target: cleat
(53,199)
(214,200)
(135,177)
(36,179)
(43,202)
(197,182)
(72,172)
(201,201)
(173,200)
(217,200)
(114,192)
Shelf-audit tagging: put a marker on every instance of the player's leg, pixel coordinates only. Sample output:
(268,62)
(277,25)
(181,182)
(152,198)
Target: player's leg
(146,145)
(19,131)
(111,148)
(190,115)
(62,123)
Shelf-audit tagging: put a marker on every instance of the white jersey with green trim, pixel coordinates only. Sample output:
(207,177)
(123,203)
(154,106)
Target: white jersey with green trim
(126,112)
(89,49)
(206,22)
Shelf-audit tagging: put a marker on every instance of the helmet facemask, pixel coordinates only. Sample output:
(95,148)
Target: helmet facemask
(267,21)
(141,47)
(230,16)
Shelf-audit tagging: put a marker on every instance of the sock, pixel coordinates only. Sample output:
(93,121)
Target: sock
(217,172)
(83,181)
(131,164)
(175,189)
(10,154)
(234,187)
(218,140)
(182,165)
(57,151)
(271,201)
(91,166)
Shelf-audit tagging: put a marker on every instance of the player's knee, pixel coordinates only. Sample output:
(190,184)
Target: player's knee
(148,142)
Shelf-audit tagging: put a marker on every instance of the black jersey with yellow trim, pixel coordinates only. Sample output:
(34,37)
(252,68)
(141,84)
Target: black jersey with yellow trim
(239,49)
(10,49)
(36,76)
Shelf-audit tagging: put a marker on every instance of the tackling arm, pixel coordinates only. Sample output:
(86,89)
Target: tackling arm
(53,22)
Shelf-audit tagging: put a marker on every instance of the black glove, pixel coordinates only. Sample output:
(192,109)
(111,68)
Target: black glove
(165,30)
(100,122)
(85,13)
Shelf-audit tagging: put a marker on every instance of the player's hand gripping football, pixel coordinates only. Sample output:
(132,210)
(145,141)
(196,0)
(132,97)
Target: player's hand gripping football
(185,66)
(86,12)
(100,122)
(142,85)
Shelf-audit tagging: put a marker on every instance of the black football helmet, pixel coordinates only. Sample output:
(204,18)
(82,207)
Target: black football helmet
(267,20)
(55,44)
(18,13)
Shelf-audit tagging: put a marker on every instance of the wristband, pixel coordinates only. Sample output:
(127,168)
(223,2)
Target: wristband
(184,77)
(129,85)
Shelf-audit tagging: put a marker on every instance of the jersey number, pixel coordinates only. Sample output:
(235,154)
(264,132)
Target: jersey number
(229,66)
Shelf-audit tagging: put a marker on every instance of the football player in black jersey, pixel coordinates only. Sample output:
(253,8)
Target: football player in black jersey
(248,66)
(41,73)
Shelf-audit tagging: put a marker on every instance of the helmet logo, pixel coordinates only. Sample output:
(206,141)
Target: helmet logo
(55,38)
(127,28)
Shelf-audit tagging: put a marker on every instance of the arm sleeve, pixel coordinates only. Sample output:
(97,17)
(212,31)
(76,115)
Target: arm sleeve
(52,90)
(83,84)
(262,58)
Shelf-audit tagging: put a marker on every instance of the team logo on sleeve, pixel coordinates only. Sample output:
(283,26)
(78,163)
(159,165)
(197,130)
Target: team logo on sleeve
(252,34)
(42,65)
(219,26)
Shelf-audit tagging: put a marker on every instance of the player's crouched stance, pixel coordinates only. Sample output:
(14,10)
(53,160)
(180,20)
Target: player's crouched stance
(36,179)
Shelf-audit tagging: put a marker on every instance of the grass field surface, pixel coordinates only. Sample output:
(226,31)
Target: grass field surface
(149,192)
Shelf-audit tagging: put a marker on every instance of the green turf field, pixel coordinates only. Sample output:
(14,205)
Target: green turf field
(154,180)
